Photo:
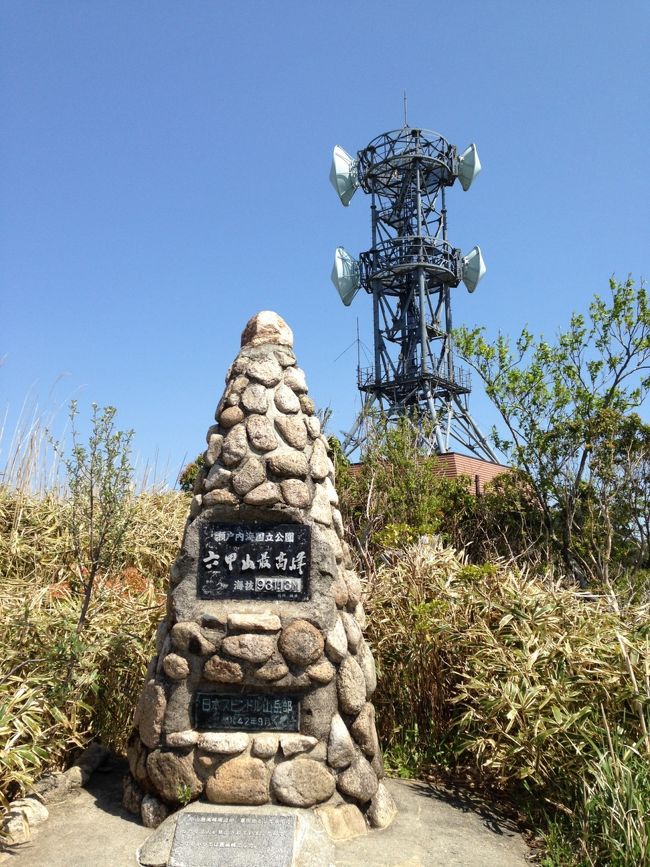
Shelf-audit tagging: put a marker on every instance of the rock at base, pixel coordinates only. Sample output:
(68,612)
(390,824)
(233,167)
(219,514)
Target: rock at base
(382,809)
(173,776)
(342,822)
(302,783)
(152,812)
(241,781)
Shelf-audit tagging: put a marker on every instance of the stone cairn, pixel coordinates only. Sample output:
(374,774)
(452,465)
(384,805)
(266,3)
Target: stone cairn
(260,689)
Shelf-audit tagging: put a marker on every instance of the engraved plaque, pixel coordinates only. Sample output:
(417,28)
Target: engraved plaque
(254,561)
(250,713)
(233,840)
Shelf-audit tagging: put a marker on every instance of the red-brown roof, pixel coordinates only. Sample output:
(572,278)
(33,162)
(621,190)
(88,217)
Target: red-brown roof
(451,465)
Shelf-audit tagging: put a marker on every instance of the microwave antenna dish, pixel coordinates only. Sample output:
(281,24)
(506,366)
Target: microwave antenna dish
(410,272)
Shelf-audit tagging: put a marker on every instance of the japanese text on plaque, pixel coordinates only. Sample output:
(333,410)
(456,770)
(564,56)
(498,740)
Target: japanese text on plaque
(251,561)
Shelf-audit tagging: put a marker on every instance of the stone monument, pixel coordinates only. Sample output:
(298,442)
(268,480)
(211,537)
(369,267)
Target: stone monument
(261,688)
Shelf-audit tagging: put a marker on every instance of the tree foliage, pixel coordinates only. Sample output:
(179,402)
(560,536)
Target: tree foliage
(568,408)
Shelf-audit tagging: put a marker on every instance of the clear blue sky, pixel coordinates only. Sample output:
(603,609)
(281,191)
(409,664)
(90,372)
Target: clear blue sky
(164,175)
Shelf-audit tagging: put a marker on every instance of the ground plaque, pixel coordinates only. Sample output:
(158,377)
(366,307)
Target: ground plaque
(254,561)
(214,712)
(232,840)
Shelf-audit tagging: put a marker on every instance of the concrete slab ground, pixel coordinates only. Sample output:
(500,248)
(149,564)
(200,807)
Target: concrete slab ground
(91,829)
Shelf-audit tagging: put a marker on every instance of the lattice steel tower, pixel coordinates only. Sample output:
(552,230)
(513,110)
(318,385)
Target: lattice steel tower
(410,271)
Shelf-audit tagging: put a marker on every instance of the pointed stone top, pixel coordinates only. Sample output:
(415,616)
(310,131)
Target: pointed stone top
(266,327)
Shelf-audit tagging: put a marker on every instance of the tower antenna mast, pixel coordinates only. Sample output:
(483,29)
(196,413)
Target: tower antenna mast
(410,272)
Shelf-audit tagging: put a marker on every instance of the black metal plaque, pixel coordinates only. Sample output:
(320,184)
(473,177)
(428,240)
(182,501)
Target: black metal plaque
(254,561)
(233,840)
(250,713)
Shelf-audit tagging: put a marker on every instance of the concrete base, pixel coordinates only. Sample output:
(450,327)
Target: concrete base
(91,829)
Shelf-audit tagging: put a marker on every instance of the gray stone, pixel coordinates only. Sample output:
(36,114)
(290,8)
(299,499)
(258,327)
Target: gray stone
(137,755)
(382,809)
(76,777)
(239,781)
(55,787)
(301,643)
(222,670)
(265,369)
(173,776)
(248,476)
(367,664)
(294,377)
(252,648)
(360,615)
(352,630)
(330,490)
(235,446)
(265,745)
(228,743)
(293,430)
(253,622)
(230,416)
(152,812)
(340,747)
(15,828)
(266,494)
(255,399)
(217,479)
(337,521)
(296,493)
(293,744)
(94,755)
(336,643)
(285,356)
(351,686)
(318,461)
(260,433)
(313,426)
(287,464)
(219,498)
(307,404)
(151,710)
(359,781)
(176,667)
(187,738)
(339,590)
(286,400)
(131,795)
(187,637)
(321,672)
(354,586)
(321,510)
(317,709)
(271,671)
(162,630)
(302,783)
(34,811)
(215,444)
(266,327)
(364,731)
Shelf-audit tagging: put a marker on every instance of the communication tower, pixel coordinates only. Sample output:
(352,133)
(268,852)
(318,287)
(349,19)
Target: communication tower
(410,271)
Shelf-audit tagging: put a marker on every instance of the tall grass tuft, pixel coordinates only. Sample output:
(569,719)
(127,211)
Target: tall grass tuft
(528,684)
(59,688)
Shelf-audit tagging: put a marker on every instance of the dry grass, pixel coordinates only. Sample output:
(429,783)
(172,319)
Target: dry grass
(524,683)
(57,688)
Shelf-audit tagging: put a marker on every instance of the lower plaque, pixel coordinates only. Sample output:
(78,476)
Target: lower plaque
(232,840)
(251,713)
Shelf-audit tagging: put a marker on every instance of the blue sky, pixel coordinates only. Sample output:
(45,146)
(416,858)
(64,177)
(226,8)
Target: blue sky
(164,175)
